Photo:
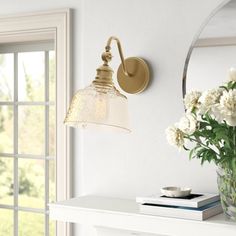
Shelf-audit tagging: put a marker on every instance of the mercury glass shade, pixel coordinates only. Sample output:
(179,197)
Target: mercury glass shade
(98,107)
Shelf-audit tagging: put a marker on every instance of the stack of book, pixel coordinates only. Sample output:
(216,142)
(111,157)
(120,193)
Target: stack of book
(193,207)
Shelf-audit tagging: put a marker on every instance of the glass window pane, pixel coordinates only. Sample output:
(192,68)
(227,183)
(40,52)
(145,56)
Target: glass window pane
(6,76)
(6,129)
(31,134)
(6,222)
(31,224)
(52,182)
(52,228)
(52,76)
(6,181)
(31,183)
(52,130)
(31,75)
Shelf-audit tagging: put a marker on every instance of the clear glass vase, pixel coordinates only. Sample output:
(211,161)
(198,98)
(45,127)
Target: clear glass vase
(226,180)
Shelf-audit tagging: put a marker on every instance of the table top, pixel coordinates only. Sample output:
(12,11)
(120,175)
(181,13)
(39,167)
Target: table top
(124,214)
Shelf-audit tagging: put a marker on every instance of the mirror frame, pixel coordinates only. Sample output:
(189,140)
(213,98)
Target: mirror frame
(196,37)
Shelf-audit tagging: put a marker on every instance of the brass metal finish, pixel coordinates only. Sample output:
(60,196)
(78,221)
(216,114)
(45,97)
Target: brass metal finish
(108,48)
(138,77)
(104,77)
(132,75)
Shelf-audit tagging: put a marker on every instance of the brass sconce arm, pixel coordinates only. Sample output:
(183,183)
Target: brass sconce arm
(132,74)
(108,48)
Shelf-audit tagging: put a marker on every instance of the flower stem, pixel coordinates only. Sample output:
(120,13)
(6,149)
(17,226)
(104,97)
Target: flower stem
(234,140)
(203,145)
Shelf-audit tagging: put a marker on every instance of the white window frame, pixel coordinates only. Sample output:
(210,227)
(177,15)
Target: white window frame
(43,26)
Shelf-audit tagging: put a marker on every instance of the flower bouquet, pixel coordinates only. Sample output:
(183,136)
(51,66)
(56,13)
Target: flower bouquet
(209,124)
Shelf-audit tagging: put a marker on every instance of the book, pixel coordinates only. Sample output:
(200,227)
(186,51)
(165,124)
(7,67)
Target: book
(193,200)
(190,213)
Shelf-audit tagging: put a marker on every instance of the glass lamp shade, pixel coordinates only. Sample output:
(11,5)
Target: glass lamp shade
(97,106)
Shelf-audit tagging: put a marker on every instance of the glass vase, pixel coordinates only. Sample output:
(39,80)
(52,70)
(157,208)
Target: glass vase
(226,180)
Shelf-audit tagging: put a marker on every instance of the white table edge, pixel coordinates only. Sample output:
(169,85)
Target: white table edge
(107,212)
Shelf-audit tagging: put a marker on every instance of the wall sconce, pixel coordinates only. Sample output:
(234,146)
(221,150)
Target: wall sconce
(101,104)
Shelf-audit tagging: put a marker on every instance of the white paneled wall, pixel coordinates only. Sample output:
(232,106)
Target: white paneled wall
(141,162)
(161,32)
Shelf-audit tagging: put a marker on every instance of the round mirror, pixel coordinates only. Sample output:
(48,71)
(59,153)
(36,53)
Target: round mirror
(214,52)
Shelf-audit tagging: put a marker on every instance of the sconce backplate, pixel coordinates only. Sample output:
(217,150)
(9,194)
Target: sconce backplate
(138,77)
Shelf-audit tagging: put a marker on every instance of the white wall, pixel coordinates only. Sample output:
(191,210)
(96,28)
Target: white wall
(161,32)
(140,163)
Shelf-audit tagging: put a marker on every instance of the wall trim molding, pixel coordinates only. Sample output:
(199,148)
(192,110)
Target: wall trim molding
(21,27)
(214,42)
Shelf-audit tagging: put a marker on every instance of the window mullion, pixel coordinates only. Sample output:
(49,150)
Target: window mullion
(46,148)
(16,184)
(27,103)
(27,156)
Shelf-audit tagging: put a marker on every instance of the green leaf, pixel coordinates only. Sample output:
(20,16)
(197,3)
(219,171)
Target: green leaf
(224,88)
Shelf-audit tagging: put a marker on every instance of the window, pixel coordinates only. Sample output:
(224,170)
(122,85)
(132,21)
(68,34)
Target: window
(27,138)
(27,105)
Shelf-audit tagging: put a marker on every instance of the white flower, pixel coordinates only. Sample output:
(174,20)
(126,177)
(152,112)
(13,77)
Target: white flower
(228,102)
(209,98)
(191,100)
(188,124)
(217,114)
(226,110)
(232,74)
(175,136)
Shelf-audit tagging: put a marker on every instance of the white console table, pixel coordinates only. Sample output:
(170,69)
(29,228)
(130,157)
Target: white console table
(123,214)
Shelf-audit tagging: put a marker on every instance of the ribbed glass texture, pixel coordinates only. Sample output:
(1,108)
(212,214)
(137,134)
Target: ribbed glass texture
(98,107)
